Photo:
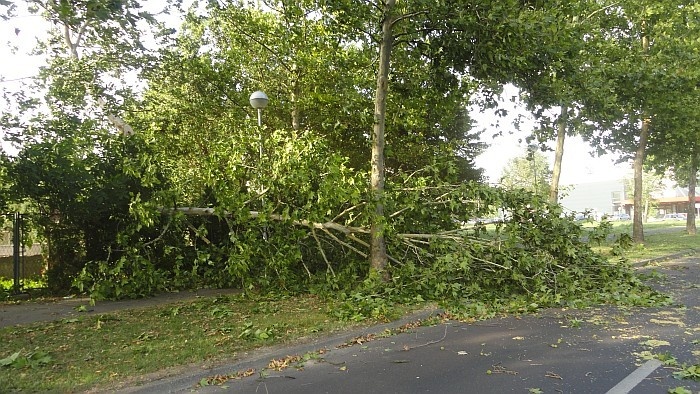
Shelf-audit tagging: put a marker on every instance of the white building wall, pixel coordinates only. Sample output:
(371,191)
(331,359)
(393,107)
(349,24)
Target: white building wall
(602,197)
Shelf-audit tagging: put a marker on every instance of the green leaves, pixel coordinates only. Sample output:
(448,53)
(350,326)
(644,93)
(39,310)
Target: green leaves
(691,372)
(21,359)
(251,332)
(530,172)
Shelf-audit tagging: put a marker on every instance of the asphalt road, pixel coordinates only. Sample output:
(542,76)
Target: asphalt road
(597,350)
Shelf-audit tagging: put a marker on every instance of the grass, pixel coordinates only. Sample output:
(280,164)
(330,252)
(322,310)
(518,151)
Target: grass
(100,351)
(663,244)
(660,239)
(34,286)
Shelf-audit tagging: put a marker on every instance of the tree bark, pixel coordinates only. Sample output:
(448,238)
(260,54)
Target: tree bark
(378,255)
(295,93)
(637,226)
(692,183)
(558,155)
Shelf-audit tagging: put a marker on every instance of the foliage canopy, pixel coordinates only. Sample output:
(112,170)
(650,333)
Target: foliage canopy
(286,206)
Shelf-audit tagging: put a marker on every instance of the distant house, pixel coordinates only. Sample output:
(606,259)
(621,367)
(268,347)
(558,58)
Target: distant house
(672,199)
(609,198)
(600,198)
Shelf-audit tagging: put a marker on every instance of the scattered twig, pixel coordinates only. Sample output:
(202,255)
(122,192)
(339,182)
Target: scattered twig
(498,368)
(407,348)
(553,375)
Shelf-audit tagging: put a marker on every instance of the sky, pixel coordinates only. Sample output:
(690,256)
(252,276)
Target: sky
(578,165)
(18,64)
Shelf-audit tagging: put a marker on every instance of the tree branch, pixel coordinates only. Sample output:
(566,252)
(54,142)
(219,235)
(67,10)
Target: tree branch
(336,239)
(323,253)
(66,36)
(81,31)
(601,10)
(406,16)
(410,239)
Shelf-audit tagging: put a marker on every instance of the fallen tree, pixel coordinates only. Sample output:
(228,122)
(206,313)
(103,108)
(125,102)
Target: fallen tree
(533,257)
(300,222)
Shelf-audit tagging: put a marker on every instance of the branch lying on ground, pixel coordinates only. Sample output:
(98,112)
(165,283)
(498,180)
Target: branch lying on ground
(194,211)
(410,239)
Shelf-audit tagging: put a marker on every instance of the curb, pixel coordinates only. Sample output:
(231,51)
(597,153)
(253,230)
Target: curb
(258,359)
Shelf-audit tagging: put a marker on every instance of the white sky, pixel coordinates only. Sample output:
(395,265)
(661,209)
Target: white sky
(578,165)
(19,64)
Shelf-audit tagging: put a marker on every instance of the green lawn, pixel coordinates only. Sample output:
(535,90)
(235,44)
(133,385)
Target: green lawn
(658,245)
(660,239)
(99,351)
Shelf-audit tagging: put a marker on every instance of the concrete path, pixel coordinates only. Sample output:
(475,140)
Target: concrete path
(56,309)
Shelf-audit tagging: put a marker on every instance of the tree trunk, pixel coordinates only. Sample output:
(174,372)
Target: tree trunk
(295,104)
(638,227)
(692,182)
(646,210)
(378,256)
(558,155)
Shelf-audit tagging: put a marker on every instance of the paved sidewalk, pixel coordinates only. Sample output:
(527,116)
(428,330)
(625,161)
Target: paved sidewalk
(36,311)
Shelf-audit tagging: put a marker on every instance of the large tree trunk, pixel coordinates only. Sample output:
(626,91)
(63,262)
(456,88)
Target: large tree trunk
(692,182)
(378,256)
(638,227)
(558,155)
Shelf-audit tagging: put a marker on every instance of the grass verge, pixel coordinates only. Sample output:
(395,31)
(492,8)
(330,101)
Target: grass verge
(658,245)
(100,351)
(670,240)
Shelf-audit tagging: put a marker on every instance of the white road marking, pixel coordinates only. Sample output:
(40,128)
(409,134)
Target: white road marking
(636,377)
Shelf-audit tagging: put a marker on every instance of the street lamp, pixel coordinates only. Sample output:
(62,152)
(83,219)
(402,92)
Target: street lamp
(258,100)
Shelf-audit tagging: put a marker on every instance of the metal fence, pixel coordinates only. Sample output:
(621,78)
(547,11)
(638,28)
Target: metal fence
(6,250)
(17,260)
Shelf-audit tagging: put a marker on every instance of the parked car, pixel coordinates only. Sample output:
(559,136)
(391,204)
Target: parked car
(675,216)
(620,216)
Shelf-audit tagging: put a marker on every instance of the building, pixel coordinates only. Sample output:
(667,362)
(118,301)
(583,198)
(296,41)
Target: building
(609,198)
(600,198)
(672,199)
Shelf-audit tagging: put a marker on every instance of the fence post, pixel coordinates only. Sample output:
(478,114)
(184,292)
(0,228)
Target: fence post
(16,249)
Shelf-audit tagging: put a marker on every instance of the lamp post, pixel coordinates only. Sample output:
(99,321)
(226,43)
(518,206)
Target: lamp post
(258,100)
